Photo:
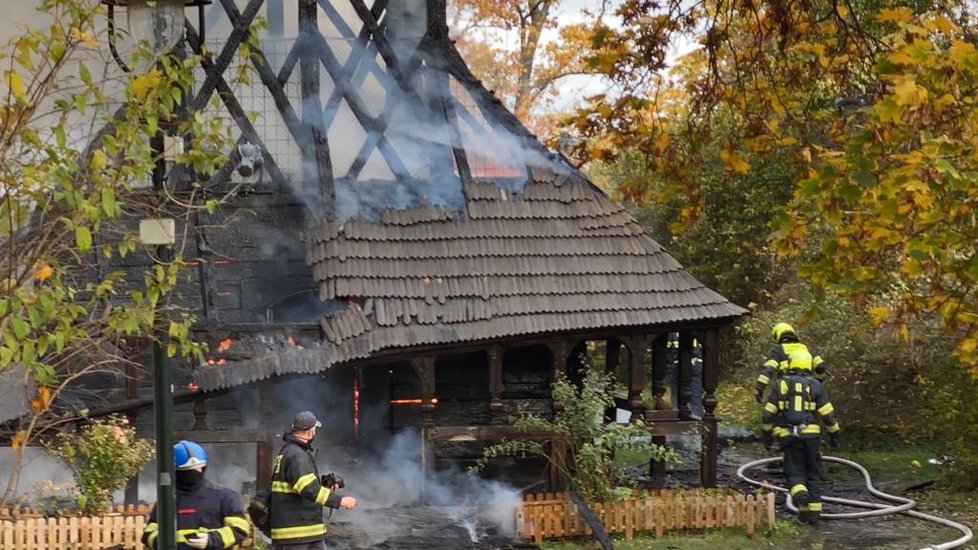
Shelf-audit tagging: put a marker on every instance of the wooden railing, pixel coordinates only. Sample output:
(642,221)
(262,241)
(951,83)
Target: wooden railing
(121,529)
(553,515)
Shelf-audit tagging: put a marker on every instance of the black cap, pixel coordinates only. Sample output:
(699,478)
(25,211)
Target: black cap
(305,420)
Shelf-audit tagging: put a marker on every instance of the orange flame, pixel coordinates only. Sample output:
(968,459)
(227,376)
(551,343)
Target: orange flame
(223,345)
(416,401)
(192,386)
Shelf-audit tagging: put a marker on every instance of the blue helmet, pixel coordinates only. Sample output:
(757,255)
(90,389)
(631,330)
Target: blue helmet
(188,455)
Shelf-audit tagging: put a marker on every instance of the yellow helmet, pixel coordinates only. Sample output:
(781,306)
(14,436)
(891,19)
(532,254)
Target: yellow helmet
(781,329)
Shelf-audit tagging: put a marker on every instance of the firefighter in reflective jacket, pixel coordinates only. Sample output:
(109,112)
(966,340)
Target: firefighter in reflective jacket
(298,497)
(793,414)
(788,353)
(207,516)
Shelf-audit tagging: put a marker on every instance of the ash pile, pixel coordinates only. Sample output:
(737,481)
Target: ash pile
(419,528)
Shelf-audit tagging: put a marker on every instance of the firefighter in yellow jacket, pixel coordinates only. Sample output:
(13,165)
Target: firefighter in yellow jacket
(298,496)
(788,353)
(793,415)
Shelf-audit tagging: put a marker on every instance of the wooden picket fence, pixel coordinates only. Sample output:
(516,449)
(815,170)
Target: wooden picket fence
(553,515)
(118,529)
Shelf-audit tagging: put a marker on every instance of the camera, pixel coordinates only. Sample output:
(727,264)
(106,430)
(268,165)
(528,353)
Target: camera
(331,479)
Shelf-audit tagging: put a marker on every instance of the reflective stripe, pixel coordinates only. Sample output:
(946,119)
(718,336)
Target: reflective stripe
(770,407)
(285,533)
(833,428)
(763,379)
(771,363)
(779,431)
(151,532)
(815,506)
(799,488)
(803,508)
(238,522)
(227,535)
(810,429)
(798,405)
(281,487)
(826,409)
(322,496)
(304,482)
(767,427)
(182,534)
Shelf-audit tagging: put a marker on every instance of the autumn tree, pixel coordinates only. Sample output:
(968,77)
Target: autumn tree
(75,145)
(523,72)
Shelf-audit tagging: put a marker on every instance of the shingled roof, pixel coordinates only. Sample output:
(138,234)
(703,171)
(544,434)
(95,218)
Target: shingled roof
(559,257)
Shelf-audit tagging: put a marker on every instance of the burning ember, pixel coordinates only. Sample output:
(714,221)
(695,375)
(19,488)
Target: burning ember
(415,401)
(192,386)
(223,345)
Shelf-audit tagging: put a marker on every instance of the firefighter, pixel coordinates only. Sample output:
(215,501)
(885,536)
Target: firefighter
(795,409)
(298,495)
(207,516)
(788,353)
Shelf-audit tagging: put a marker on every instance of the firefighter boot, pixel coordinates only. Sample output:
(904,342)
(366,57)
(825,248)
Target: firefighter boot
(814,512)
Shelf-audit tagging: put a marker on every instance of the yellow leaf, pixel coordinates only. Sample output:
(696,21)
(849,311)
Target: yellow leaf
(18,439)
(87,37)
(879,314)
(915,463)
(662,141)
(16,84)
(142,84)
(42,273)
(99,160)
(895,15)
(735,161)
(968,345)
(908,93)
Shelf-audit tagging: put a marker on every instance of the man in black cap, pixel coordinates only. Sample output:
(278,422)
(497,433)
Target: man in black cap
(298,496)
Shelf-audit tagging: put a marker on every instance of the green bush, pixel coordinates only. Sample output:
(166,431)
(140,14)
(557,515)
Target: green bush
(590,442)
(102,455)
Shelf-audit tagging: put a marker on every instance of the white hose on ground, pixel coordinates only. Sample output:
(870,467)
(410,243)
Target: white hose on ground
(905,506)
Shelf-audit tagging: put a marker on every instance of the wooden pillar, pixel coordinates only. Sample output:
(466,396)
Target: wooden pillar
(558,364)
(131,495)
(636,375)
(264,451)
(558,465)
(424,367)
(612,356)
(711,370)
(200,413)
(685,374)
(660,366)
(495,354)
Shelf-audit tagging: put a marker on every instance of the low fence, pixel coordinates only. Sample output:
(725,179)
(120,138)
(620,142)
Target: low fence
(553,515)
(121,529)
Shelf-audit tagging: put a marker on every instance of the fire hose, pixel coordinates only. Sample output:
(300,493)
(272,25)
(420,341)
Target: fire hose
(905,505)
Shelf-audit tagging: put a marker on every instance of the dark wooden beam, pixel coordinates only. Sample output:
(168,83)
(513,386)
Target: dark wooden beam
(495,354)
(636,375)
(711,368)
(558,364)
(316,160)
(685,374)
(241,25)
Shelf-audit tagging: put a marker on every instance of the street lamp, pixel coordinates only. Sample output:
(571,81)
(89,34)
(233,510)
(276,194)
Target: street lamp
(161,23)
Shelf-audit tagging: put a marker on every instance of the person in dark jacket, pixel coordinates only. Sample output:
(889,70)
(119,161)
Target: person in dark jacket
(207,516)
(795,409)
(298,496)
(788,353)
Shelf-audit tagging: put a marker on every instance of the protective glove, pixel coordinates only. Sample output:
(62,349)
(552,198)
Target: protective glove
(834,440)
(768,439)
(759,396)
(198,541)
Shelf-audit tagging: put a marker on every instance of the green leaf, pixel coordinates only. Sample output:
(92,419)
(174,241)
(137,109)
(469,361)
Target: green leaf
(83,238)
(83,73)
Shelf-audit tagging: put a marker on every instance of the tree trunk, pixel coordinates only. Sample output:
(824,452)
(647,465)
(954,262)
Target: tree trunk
(592,519)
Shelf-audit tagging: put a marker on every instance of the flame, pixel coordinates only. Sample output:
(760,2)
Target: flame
(220,361)
(192,386)
(223,345)
(356,406)
(415,401)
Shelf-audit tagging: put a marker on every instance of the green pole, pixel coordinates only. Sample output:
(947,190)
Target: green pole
(166,509)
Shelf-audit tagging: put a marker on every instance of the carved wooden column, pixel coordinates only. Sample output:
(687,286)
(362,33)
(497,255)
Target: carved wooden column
(495,354)
(425,369)
(558,354)
(636,375)
(200,413)
(267,407)
(685,374)
(711,370)
(660,366)
(612,356)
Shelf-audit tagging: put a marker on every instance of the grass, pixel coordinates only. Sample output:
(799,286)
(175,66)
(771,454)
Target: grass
(728,539)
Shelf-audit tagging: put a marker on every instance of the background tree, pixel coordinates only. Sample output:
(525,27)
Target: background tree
(69,194)
(521,52)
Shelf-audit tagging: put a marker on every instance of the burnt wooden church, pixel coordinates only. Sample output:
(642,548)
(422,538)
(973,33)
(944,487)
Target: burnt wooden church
(401,253)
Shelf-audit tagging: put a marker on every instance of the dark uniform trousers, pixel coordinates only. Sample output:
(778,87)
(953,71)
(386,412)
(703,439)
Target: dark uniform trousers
(801,467)
(318,545)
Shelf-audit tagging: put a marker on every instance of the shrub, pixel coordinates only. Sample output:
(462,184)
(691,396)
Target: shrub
(103,455)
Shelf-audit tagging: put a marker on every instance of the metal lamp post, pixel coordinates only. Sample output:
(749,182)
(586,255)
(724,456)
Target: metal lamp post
(161,22)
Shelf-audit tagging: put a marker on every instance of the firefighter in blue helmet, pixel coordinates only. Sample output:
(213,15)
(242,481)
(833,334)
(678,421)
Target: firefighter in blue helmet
(298,493)
(207,516)
(788,354)
(795,410)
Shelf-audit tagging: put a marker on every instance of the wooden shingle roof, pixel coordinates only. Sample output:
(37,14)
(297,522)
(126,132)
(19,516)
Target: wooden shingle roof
(558,257)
